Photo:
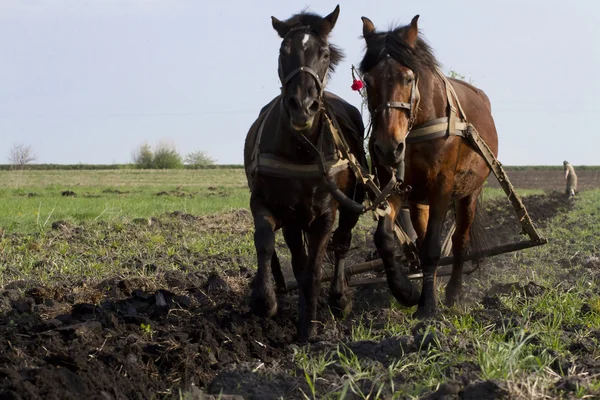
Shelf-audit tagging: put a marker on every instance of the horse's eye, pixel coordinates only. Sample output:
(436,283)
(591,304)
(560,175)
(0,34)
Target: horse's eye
(409,81)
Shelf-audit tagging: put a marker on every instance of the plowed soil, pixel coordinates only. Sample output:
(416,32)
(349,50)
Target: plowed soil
(124,339)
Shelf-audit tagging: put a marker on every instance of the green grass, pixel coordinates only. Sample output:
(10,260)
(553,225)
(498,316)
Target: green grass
(105,239)
(525,357)
(32,200)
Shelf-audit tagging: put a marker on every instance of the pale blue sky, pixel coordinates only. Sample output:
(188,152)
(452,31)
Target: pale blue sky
(89,80)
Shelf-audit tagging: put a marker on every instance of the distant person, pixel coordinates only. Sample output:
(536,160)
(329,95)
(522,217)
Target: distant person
(571,179)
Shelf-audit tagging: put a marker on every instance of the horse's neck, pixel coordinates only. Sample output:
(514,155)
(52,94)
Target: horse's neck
(433,102)
(287,145)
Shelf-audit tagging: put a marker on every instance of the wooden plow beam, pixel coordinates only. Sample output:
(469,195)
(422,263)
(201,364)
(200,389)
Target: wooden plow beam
(377,265)
(528,228)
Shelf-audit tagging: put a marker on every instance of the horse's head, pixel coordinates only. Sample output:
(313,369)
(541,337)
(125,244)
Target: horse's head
(391,67)
(305,60)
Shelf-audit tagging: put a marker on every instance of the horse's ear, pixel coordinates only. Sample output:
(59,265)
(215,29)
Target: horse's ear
(332,18)
(413,31)
(368,27)
(281,27)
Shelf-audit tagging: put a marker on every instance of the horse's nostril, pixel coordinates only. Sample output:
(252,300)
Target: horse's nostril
(314,107)
(294,103)
(400,149)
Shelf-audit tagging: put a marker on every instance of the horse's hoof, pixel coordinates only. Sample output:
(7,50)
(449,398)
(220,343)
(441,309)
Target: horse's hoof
(452,298)
(453,294)
(263,306)
(340,305)
(424,312)
(307,333)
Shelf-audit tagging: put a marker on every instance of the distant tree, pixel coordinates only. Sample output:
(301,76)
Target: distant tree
(167,157)
(457,75)
(199,158)
(21,155)
(143,157)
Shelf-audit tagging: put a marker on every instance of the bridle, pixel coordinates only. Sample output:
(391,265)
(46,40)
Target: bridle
(287,78)
(412,106)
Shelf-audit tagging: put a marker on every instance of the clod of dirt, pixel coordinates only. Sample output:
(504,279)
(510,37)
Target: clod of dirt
(83,329)
(143,221)
(30,194)
(183,301)
(197,394)
(23,306)
(570,384)
(85,311)
(39,294)
(46,326)
(586,309)
(68,193)
(63,225)
(486,390)
(583,346)
(383,351)
(184,216)
(446,391)
(244,380)
(591,262)
(531,289)
(113,191)
(216,284)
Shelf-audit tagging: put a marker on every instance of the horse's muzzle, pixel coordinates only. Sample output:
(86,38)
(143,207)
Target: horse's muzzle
(302,124)
(390,153)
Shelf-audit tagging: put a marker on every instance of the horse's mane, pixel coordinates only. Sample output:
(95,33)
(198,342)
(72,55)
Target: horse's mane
(419,58)
(321,27)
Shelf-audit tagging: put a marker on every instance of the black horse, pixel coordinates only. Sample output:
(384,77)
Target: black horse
(289,188)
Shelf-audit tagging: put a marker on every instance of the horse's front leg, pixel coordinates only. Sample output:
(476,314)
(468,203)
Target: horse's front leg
(401,287)
(429,254)
(310,287)
(263,301)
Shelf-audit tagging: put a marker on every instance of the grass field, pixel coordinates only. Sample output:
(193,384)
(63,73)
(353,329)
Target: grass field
(33,199)
(128,299)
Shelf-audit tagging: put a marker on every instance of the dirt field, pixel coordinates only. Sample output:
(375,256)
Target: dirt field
(548,179)
(152,314)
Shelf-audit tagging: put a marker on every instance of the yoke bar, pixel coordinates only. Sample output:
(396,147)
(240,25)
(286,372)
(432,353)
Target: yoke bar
(377,264)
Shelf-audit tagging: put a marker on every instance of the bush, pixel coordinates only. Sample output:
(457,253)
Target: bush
(166,157)
(143,157)
(198,159)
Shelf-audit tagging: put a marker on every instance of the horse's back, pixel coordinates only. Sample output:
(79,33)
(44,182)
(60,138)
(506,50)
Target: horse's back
(351,124)
(348,114)
(480,93)
(251,141)
(476,104)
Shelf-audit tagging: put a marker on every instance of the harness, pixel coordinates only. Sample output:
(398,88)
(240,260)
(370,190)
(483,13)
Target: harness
(327,166)
(452,125)
(273,165)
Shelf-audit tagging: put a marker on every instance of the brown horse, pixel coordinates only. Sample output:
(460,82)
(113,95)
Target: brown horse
(289,189)
(418,118)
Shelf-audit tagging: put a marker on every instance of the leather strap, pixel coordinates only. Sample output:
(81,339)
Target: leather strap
(272,165)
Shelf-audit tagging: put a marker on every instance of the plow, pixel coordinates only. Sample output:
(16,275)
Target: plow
(409,254)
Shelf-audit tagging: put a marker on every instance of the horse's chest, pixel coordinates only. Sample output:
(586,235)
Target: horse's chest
(294,200)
